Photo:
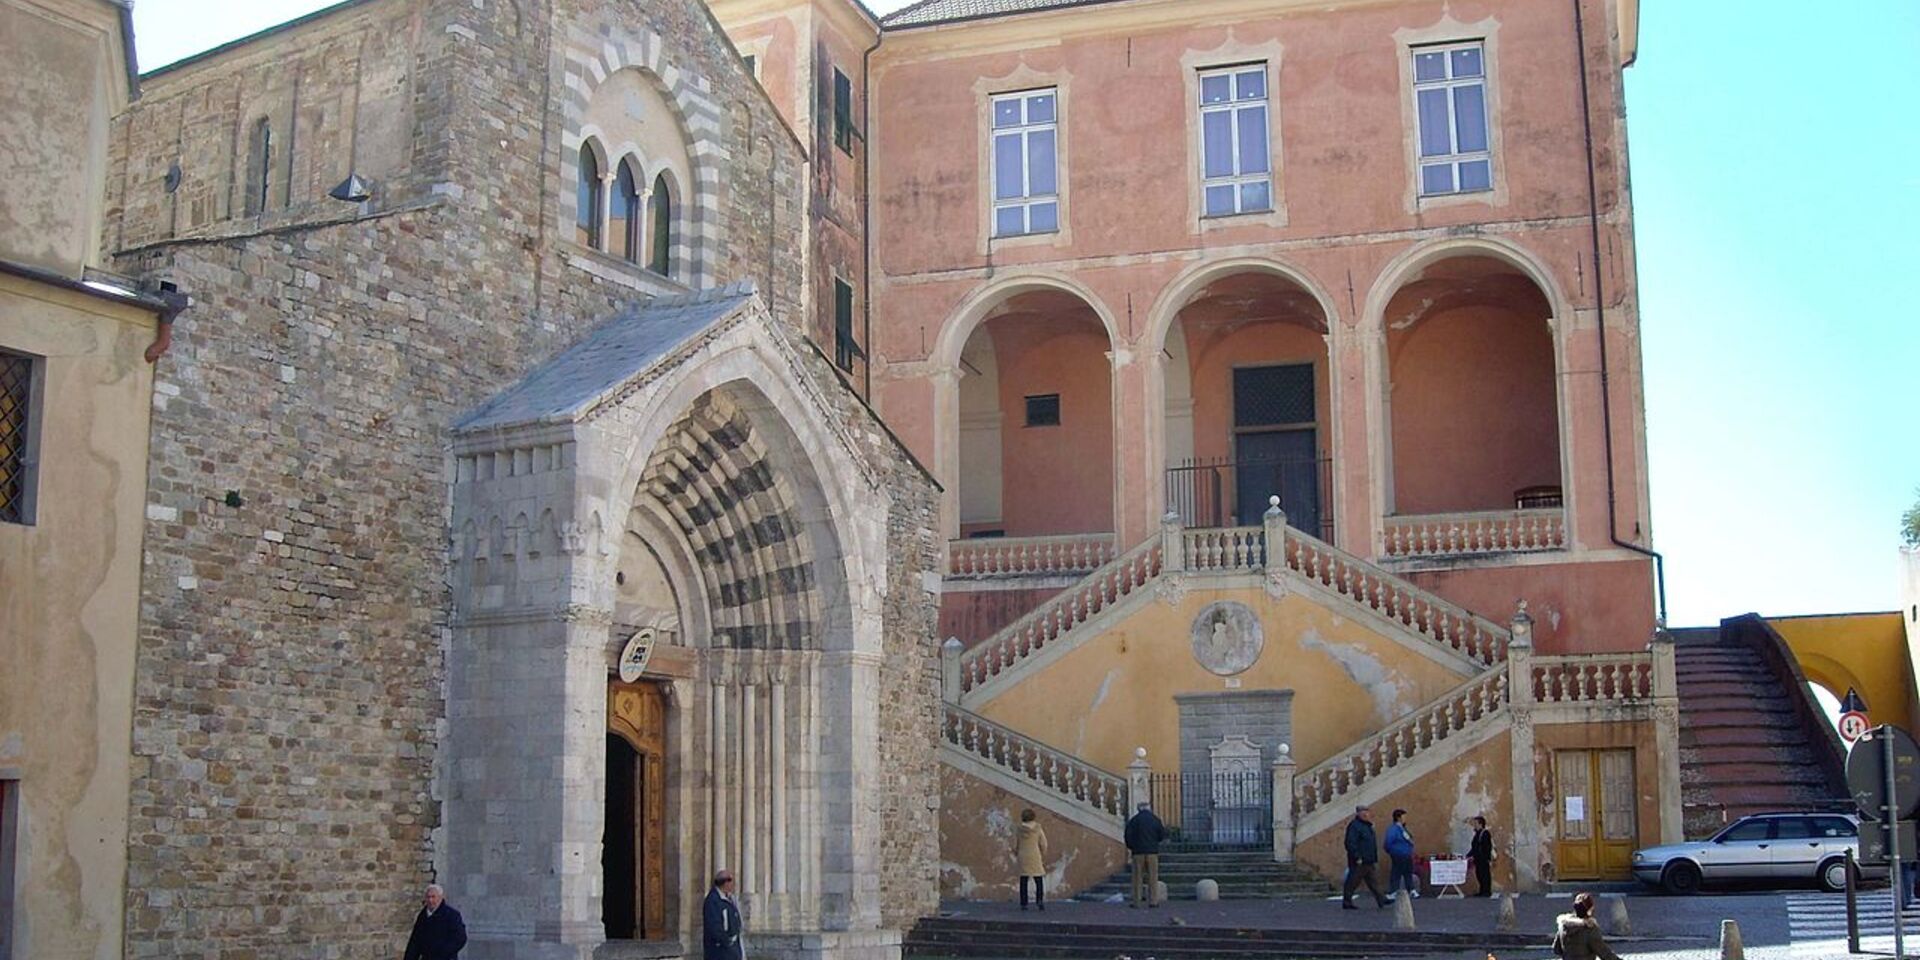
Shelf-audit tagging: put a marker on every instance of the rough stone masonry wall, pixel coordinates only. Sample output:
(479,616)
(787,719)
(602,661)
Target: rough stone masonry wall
(289,696)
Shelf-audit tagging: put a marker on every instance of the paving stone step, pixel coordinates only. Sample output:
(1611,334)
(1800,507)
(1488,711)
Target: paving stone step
(995,938)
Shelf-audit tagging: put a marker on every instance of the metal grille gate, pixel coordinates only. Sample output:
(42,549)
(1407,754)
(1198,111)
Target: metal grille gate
(1215,809)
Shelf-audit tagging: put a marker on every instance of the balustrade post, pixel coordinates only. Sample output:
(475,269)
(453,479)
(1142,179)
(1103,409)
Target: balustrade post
(950,670)
(1666,733)
(1520,660)
(1283,771)
(1139,782)
(1274,525)
(1529,827)
(1172,558)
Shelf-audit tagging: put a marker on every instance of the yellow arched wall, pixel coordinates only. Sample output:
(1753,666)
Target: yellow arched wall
(1864,651)
(1115,691)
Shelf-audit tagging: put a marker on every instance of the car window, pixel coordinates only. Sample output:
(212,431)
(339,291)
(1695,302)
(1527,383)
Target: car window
(1792,828)
(1834,827)
(1750,830)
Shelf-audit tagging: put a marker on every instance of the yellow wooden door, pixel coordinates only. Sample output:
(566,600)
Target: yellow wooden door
(1597,826)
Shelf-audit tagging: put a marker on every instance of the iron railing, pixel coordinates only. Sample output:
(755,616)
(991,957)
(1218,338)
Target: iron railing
(1215,809)
(1227,492)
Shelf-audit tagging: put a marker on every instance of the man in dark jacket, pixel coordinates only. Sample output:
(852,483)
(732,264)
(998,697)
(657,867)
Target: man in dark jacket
(1144,835)
(1363,852)
(438,932)
(1481,853)
(720,921)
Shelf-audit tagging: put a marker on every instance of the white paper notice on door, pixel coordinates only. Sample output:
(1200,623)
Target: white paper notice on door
(1576,808)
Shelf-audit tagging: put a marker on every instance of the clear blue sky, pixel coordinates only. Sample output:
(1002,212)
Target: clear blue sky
(1776,174)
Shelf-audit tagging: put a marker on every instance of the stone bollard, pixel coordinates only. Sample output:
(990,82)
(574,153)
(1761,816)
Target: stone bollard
(1403,911)
(1509,920)
(1206,891)
(1618,924)
(1730,948)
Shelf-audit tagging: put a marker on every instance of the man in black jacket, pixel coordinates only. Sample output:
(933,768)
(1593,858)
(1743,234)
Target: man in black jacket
(1144,835)
(1481,853)
(1363,852)
(438,932)
(720,921)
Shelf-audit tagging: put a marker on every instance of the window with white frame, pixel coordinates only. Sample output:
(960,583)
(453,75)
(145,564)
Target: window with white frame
(1026,192)
(1450,100)
(1235,157)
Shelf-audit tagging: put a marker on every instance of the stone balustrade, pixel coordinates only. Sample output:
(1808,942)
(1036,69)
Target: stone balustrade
(1059,774)
(1447,624)
(1605,678)
(1439,536)
(1224,549)
(1071,555)
(1471,703)
(1062,612)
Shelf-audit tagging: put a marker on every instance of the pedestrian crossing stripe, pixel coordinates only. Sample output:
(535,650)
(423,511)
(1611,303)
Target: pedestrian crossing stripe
(1824,915)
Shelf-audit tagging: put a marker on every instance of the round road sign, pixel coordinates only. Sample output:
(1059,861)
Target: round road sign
(1867,774)
(1853,726)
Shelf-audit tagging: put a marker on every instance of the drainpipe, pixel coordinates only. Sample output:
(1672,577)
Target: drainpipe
(866,209)
(1600,318)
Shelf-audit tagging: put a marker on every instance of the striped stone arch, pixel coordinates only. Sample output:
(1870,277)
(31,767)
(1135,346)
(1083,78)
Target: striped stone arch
(712,475)
(589,61)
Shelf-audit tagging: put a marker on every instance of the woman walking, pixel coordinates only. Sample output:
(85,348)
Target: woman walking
(1400,850)
(1030,850)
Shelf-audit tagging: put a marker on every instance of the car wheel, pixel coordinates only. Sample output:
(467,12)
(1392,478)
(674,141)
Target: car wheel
(1681,877)
(1833,875)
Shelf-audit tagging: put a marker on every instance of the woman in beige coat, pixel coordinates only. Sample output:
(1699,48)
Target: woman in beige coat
(1030,851)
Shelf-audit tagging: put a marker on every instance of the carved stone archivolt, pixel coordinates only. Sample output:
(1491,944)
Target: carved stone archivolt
(1227,638)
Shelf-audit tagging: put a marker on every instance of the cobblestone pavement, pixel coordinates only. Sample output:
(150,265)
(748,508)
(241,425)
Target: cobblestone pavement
(1792,925)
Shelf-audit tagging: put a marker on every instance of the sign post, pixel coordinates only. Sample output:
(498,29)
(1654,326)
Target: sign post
(1893,842)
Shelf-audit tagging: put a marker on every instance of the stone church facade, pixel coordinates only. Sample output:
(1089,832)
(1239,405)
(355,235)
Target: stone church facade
(440,446)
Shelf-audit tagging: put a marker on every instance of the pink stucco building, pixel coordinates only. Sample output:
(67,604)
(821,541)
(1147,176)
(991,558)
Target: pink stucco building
(1140,257)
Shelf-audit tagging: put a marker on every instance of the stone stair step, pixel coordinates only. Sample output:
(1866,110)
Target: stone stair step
(983,937)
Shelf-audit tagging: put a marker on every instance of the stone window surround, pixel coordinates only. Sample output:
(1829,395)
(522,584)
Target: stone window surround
(1446,30)
(1232,53)
(700,225)
(1021,78)
(595,139)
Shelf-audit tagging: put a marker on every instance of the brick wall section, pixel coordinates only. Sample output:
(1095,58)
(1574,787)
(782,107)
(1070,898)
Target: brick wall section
(292,649)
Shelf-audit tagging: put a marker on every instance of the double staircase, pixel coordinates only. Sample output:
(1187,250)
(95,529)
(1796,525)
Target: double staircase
(1069,787)
(1494,679)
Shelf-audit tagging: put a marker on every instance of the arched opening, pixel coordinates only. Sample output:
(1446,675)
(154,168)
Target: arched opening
(1248,403)
(1472,391)
(661,260)
(589,204)
(626,222)
(1036,420)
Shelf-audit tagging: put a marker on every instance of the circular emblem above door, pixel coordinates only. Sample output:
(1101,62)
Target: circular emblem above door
(1227,638)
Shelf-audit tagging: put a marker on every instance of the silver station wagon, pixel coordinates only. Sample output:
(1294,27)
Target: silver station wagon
(1784,847)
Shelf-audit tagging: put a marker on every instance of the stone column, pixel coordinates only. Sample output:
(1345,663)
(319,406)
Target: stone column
(950,670)
(1139,781)
(749,873)
(1283,770)
(717,742)
(1136,478)
(1528,830)
(777,762)
(1666,736)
